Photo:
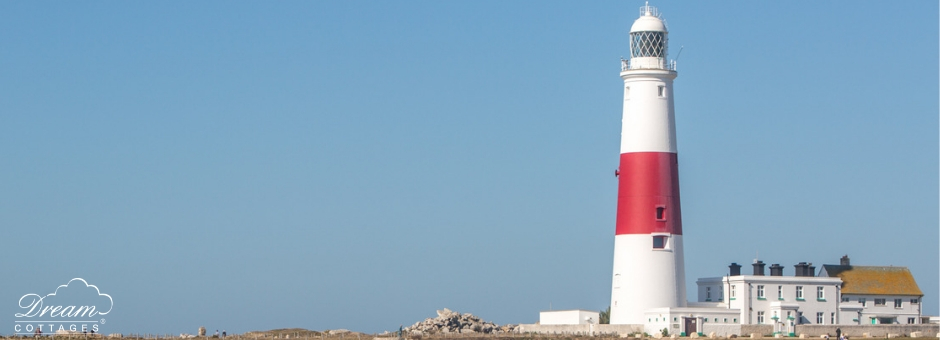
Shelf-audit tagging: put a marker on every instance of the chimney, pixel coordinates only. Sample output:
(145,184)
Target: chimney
(800,269)
(844,261)
(810,270)
(735,269)
(776,270)
(758,268)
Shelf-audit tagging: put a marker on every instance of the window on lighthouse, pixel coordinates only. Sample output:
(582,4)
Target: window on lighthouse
(662,91)
(660,213)
(659,242)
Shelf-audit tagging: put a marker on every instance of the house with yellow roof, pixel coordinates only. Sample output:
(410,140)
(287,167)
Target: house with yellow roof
(876,294)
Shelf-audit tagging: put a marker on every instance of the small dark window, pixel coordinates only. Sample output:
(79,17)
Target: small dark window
(659,242)
(661,213)
(662,91)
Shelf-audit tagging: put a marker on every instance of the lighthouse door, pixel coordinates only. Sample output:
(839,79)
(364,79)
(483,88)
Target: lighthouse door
(690,326)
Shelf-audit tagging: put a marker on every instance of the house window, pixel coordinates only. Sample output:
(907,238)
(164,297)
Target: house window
(760,317)
(721,293)
(861,301)
(910,321)
(820,295)
(832,318)
(897,303)
(845,299)
(662,91)
(733,295)
(819,318)
(879,302)
(659,242)
(799,292)
(779,292)
(708,293)
(914,301)
(725,320)
(760,291)
(799,318)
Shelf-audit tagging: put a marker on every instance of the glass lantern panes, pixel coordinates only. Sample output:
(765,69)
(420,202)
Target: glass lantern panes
(648,44)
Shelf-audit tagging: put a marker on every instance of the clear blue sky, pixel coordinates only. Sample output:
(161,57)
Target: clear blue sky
(258,165)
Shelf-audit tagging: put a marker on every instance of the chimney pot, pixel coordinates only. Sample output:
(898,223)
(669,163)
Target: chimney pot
(735,269)
(759,268)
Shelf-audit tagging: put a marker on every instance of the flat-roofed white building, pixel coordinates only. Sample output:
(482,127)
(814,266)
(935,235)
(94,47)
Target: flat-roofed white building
(569,317)
(781,301)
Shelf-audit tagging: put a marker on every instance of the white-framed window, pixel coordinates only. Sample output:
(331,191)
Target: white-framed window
(915,301)
(760,291)
(799,292)
(760,317)
(733,295)
(708,293)
(832,318)
(799,318)
(879,302)
(662,91)
(910,321)
(897,303)
(820,293)
(845,299)
(779,292)
(819,318)
(862,301)
(660,241)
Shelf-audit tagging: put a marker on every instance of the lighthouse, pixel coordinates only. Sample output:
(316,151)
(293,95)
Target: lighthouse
(648,261)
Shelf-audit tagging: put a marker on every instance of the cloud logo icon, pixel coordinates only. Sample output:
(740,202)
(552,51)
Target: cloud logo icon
(75,299)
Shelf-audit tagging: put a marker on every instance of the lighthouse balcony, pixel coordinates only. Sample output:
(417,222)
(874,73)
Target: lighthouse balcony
(647,63)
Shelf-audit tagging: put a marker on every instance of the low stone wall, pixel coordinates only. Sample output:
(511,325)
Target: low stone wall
(747,330)
(721,329)
(878,331)
(579,329)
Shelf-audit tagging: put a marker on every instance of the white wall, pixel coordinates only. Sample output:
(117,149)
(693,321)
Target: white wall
(870,310)
(569,317)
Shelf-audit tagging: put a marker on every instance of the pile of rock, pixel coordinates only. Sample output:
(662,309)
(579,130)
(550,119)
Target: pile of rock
(449,322)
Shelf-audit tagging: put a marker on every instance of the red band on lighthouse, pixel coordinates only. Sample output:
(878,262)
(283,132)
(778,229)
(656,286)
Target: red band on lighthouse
(648,199)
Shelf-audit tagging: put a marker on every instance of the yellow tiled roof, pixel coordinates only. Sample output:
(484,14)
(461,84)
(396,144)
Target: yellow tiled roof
(875,280)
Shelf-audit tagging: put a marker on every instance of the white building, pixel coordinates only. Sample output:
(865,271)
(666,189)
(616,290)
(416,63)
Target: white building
(569,317)
(840,295)
(781,301)
(876,294)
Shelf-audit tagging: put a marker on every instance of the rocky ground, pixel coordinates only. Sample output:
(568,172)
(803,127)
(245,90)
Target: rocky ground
(450,322)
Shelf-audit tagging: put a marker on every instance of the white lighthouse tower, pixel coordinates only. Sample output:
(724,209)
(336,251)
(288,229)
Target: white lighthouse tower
(648,261)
